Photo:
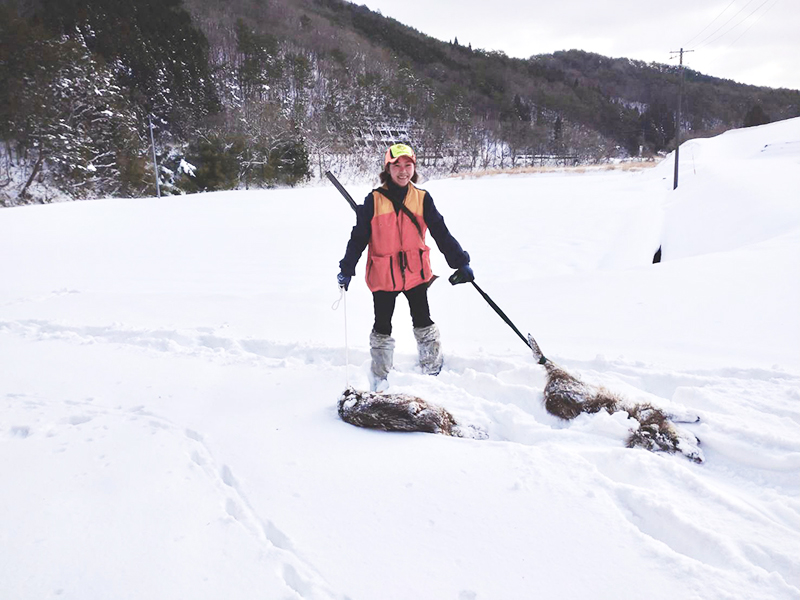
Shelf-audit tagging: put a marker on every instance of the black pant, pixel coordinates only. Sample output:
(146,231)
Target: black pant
(417,301)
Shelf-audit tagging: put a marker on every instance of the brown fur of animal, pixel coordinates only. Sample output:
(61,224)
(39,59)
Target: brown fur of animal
(400,412)
(566,397)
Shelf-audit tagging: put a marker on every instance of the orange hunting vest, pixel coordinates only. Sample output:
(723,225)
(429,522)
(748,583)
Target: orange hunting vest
(398,258)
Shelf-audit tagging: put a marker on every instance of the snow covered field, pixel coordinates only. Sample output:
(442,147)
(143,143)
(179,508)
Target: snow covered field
(170,372)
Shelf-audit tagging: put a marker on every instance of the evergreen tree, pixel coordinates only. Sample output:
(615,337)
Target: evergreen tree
(65,111)
(153,48)
(756,116)
(558,130)
(260,69)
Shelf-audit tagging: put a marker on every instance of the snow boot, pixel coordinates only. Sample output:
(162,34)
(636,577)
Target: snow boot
(381,348)
(430,349)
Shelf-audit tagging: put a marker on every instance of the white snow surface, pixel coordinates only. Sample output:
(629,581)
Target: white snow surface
(170,372)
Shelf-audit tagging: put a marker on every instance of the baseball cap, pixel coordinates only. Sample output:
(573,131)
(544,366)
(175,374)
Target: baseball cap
(396,151)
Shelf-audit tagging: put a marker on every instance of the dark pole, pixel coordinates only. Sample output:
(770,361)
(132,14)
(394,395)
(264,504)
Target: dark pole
(678,119)
(678,125)
(155,160)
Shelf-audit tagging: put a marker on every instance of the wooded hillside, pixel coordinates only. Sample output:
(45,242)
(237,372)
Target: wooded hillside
(274,92)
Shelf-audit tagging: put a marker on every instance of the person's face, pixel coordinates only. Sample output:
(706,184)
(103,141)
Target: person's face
(401,171)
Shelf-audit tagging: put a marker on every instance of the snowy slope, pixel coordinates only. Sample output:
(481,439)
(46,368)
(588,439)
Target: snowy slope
(170,370)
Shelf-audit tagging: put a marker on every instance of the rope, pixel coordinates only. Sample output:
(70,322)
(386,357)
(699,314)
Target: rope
(335,306)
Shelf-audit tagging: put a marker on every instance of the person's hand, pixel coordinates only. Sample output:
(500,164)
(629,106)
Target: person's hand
(343,280)
(462,275)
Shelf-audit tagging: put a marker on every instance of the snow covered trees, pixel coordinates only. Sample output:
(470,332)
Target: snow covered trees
(64,110)
(79,78)
(81,122)
(156,52)
(260,93)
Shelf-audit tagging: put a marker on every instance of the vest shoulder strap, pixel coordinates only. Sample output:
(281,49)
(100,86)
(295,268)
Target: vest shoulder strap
(405,209)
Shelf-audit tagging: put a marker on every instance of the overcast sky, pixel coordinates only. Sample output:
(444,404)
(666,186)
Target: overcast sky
(750,41)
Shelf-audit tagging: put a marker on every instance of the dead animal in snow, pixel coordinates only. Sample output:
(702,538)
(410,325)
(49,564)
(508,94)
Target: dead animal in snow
(400,412)
(567,397)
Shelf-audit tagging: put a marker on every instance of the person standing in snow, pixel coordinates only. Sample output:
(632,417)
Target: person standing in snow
(393,222)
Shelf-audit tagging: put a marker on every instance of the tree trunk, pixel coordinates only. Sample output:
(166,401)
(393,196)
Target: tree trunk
(36,168)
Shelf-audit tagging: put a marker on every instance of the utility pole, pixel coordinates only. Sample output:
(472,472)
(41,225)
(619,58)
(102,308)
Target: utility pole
(678,119)
(155,160)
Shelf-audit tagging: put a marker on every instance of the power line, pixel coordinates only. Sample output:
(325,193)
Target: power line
(697,35)
(756,21)
(713,33)
(722,35)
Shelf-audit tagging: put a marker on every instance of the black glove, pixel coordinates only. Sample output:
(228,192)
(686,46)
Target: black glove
(462,275)
(344,280)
